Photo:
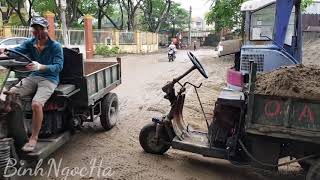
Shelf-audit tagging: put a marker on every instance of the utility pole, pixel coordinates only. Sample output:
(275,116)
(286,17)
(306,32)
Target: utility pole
(63,6)
(189,35)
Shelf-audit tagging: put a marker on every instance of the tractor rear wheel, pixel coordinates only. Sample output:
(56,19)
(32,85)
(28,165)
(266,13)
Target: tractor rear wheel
(109,111)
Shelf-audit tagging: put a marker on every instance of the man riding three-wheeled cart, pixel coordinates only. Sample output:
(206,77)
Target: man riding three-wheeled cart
(53,93)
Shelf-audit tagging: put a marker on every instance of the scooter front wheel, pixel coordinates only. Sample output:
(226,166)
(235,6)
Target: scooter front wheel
(148,140)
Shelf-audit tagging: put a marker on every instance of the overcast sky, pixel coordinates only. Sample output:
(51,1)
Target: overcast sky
(199,7)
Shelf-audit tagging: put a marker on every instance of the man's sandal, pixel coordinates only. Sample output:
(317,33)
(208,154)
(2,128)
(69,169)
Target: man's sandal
(29,147)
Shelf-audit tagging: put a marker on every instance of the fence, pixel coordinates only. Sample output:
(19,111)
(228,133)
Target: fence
(128,42)
(127,38)
(103,37)
(76,37)
(310,35)
(20,31)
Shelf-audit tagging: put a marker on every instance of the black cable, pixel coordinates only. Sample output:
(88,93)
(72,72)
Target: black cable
(271,165)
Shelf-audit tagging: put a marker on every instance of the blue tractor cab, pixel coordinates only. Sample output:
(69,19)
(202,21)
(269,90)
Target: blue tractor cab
(273,35)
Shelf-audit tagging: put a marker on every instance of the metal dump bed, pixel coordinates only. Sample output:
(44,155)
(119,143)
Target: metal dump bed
(95,79)
(100,79)
(284,117)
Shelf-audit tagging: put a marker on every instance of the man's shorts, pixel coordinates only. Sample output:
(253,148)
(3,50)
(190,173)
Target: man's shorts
(40,86)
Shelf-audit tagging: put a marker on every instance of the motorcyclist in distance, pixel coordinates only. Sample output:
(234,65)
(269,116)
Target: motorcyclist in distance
(172,49)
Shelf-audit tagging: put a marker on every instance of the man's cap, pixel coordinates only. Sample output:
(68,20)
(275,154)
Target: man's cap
(39,21)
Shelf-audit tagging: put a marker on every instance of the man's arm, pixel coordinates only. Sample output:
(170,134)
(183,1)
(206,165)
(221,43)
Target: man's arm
(24,48)
(57,64)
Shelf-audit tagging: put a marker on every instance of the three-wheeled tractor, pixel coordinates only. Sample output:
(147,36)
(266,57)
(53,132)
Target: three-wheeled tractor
(249,128)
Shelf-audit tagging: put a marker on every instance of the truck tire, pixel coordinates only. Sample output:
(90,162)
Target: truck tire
(109,111)
(147,140)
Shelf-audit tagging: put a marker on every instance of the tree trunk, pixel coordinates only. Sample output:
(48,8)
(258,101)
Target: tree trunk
(30,9)
(99,14)
(102,13)
(17,10)
(131,11)
(154,26)
(164,15)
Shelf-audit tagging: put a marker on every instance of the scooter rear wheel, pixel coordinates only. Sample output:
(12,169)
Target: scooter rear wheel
(148,141)
(171,58)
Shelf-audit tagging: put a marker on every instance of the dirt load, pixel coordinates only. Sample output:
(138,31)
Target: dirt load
(311,52)
(299,81)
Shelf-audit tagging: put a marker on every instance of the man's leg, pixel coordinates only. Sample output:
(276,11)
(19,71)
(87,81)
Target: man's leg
(37,117)
(25,87)
(44,92)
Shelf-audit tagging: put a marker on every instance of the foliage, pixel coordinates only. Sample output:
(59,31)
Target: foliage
(41,6)
(131,7)
(105,50)
(14,20)
(155,12)
(16,7)
(225,14)
(106,9)
(120,13)
(177,20)
(306,3)
(88,7)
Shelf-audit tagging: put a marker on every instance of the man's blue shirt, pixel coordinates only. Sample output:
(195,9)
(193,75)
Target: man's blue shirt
(51,56)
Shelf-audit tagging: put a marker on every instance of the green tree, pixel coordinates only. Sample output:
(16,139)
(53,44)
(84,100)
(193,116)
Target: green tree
(178,20)
(75,9)
(131,7)
(112,10)
(15,7)
(306,3)
(155,13)
(175,20)
(41,6)
(225,14)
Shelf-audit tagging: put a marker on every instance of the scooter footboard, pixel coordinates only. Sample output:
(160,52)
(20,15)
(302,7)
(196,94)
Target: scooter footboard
(179,126)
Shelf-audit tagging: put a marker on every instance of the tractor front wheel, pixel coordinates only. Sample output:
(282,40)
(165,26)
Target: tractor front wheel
(148,140)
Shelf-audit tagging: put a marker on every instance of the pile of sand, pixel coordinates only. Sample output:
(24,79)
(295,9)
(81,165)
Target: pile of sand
(311,52)
(300,81)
